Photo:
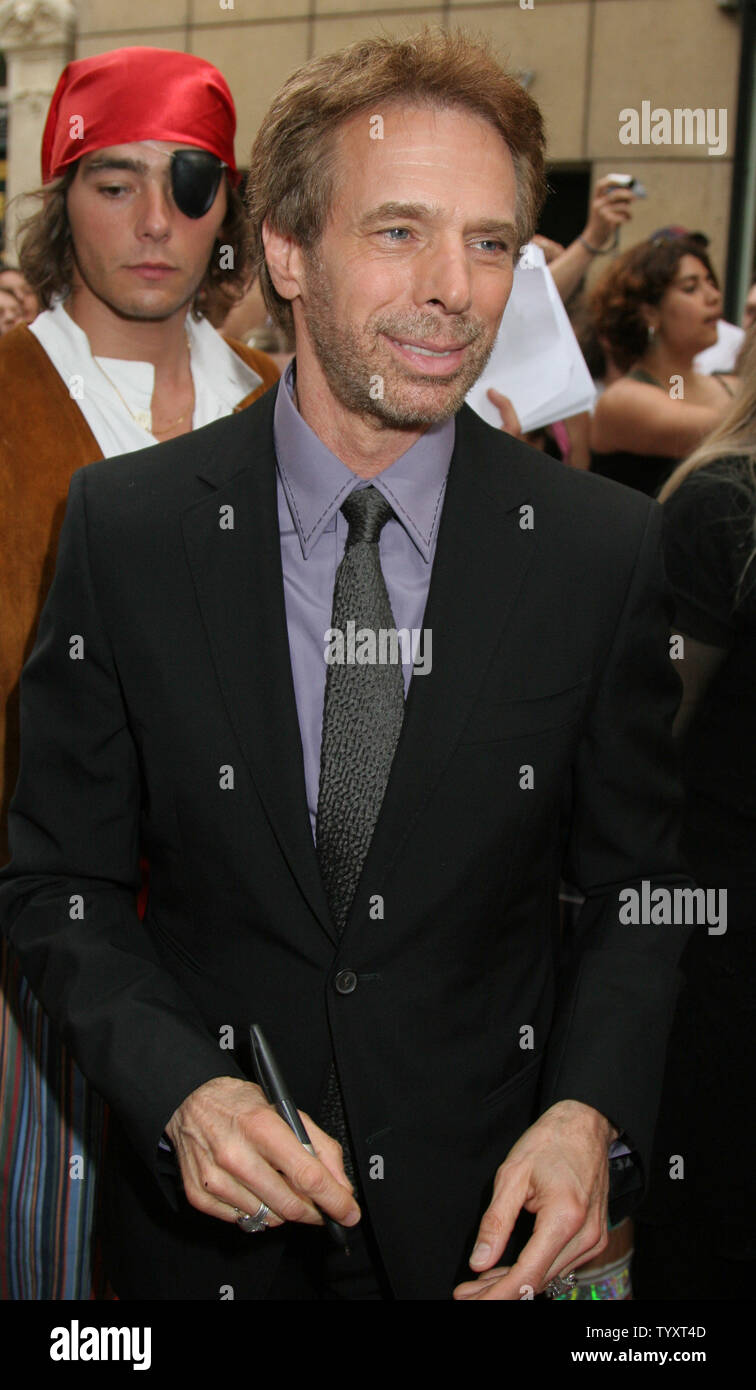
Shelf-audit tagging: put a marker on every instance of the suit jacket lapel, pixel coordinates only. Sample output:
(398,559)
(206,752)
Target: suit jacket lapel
(239,585)
(482,556)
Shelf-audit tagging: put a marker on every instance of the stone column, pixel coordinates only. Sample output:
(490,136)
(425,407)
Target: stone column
(37,39)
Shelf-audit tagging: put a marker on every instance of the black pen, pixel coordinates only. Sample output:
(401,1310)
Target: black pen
(277,1093)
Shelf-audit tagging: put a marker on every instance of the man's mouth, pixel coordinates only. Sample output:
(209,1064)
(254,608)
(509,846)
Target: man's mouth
(153,270)
(437,358)
(438,351)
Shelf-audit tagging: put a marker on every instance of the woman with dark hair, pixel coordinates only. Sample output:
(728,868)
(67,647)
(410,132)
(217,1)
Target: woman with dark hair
(655,309)
(696,1234)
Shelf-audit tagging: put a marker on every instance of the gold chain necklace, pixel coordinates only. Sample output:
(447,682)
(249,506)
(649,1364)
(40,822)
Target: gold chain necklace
(143,418)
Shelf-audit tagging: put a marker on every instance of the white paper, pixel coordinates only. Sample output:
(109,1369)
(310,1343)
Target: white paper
(536,360)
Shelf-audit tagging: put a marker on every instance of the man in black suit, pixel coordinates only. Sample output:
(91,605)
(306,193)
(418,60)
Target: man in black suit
(374,882)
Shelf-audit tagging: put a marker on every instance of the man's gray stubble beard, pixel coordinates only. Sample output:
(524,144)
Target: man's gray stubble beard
(338,354)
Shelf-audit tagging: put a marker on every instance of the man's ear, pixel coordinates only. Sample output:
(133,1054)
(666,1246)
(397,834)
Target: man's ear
(283,257)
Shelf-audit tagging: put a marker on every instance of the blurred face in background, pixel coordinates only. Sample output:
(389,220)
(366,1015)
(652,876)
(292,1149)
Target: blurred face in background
(10,311)
(14,281)
(749,311)
(686,317)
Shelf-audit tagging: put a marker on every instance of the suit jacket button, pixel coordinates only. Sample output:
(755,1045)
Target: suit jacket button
(345,982)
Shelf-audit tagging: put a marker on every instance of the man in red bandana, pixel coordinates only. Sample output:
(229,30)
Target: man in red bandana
(138,243)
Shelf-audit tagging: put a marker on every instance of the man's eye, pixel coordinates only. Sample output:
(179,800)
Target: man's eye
(112,190)
(395,233)
(489,244)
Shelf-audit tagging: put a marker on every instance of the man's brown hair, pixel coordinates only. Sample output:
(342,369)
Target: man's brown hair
(46,255)
(293,160)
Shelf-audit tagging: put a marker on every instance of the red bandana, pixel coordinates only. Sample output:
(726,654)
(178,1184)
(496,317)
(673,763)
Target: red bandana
(133,94)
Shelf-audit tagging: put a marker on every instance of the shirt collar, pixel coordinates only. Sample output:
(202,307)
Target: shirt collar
(316,482)
(215,364)
(216,368)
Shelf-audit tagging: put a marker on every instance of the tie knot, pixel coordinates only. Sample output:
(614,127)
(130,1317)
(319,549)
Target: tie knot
(367,512)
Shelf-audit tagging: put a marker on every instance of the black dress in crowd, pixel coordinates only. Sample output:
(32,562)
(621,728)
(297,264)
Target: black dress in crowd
(696,1234)
(645,472)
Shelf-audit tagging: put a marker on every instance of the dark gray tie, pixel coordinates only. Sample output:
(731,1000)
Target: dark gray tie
(362,720)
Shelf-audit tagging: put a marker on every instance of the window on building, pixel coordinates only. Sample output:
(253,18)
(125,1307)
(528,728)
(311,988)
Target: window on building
(566,208)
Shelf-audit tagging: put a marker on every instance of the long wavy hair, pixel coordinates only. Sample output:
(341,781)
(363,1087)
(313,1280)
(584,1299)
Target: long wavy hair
(731,444)
(46,255)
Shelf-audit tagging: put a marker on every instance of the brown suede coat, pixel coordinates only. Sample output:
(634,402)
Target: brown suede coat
(44,438)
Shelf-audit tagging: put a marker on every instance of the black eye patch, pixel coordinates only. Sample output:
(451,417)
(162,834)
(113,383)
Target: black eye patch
(195,177)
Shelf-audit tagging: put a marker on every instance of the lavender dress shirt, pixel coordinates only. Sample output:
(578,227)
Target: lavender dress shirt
(312,484)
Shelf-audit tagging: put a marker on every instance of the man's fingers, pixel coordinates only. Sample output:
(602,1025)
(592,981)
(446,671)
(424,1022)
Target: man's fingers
(328,1150)
(245,1201)
(558,1170)
(580,1250)
(235,1151)
(510,1191)
(472,1287)
(260,1183)
(307,1174)
(217,1184)
(559,1233)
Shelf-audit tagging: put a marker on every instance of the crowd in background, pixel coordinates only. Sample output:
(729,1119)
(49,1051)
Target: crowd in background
(676,418)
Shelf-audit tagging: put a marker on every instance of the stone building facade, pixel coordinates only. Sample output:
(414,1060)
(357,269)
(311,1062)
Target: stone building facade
(585,61)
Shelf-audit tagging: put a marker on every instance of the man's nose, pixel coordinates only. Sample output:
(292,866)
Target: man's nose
(155,211)
(443,277)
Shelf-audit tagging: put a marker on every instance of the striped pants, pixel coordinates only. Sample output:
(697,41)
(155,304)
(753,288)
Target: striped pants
(51,1139)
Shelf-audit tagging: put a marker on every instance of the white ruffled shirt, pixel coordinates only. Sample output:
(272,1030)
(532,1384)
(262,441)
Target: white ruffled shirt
(221,380)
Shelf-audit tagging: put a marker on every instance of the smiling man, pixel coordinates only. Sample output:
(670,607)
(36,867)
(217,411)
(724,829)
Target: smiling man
(364,863)
(358,329)
(140,228)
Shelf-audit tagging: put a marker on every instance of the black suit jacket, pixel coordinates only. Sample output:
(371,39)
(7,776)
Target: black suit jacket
(550,620)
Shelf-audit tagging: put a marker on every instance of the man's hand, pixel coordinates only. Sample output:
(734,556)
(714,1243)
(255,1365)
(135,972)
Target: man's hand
(559,1169)
(234,1150)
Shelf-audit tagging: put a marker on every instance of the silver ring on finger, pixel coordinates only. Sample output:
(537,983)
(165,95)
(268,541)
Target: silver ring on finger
(562,1284)
(256,1222)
